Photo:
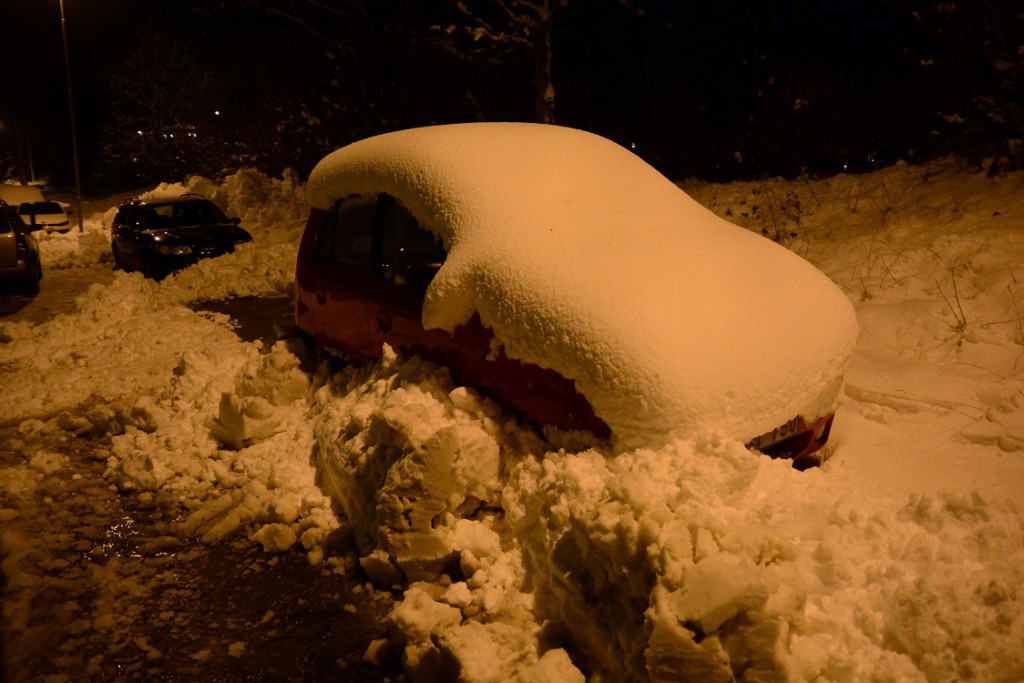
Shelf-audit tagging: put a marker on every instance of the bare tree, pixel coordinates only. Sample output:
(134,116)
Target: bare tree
(156,122)
(508,30)
(982,44)
(367,66)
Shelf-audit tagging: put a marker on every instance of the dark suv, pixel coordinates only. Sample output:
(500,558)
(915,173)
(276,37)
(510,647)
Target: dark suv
(160,235)
(19,252)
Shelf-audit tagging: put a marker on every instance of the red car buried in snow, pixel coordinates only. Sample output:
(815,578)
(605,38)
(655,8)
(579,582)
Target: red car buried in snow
(564,277)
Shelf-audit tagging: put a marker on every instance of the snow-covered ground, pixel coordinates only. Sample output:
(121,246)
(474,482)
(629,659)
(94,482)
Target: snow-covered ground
(902,558)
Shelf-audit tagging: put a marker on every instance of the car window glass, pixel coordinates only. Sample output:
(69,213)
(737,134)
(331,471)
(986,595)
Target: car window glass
(409,253)
(152,219)
(347,233)
(136,218)
(199,213)
(5,226)
(182,214)
(39,207)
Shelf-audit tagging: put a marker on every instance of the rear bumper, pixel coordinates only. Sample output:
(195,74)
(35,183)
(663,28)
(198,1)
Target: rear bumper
(802,446)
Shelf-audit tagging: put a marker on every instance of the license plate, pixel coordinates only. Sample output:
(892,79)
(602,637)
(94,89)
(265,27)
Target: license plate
(778,434)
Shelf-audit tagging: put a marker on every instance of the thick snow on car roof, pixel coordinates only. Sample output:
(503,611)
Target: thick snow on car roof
(583,258)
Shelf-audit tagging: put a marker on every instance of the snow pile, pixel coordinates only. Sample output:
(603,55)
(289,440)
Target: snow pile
(193,410)
(668,318)
(218,423)
(123,346)
(15,194)
(247,468)
(705,562)
(408,454)
(699,561)
(902,558)
(418,466)
(934,260)
(71,249)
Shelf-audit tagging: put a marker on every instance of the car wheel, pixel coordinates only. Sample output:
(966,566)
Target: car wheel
(118,264)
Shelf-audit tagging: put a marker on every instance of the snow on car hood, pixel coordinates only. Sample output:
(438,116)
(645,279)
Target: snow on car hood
(583,258)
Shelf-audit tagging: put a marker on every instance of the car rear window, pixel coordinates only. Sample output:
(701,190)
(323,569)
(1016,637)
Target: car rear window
(39,207)
(183,214)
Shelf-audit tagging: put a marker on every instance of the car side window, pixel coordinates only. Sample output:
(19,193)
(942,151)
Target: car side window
(5,226)
(129,217)
(347,233)
(196,213)
(189,214)
(409,254)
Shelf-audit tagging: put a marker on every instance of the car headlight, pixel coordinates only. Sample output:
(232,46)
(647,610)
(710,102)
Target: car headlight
(174,250)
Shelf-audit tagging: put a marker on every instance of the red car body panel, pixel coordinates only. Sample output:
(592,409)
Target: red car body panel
(353,314)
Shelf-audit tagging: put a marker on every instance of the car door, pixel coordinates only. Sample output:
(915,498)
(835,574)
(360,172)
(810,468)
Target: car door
(336,276)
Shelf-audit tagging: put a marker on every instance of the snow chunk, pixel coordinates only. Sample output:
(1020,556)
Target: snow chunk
(717,589)
(419,615)
(405,461)
(275,538)
(251,412)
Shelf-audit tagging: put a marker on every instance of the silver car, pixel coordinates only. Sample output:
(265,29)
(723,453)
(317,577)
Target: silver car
(19,252)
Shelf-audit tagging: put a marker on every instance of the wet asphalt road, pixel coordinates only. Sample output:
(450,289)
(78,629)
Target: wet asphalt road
(255,317)
(57,293)
(107,591)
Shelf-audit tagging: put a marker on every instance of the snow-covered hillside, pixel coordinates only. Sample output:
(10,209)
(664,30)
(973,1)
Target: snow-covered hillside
(902,558)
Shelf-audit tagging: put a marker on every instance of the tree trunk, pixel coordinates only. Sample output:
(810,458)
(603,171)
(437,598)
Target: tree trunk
(543,85)
(544,88)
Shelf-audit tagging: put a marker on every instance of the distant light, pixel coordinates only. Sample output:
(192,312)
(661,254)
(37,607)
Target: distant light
(216,112)
(139,132)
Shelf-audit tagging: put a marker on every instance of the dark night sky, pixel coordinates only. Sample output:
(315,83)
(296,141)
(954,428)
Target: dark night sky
(691,84)
(36,100)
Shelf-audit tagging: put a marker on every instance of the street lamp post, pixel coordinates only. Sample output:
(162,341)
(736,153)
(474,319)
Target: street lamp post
(71,111)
